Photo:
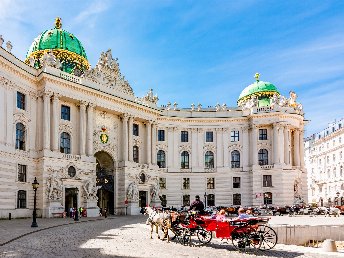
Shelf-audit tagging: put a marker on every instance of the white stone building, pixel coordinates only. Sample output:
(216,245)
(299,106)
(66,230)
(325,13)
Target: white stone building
(91,142)
(325,163)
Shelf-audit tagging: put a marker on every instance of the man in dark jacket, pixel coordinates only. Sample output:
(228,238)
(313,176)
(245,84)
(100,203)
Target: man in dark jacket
(197,205)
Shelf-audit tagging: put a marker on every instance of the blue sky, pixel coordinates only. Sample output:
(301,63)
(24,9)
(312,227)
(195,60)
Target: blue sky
(204,51)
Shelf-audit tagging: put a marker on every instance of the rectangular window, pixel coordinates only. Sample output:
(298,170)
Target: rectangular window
(161,135)
(236,182)
(21,173)
(20,100)
(184,136)
(136,154)
(186,200)
(162,182)
(236,199)
(186,183)
(211,183)
(136,129)
(211,200)
(234,136)
(21,204)
(263,134)
(209,137)
(163,200)
(267,180)
(65,112)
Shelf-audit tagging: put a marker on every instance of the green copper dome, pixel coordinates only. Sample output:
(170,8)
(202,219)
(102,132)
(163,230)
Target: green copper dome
(64,45)
(262,90)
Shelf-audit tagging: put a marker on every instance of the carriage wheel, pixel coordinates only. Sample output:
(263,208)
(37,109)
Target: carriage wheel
(242,240)
(204,236)
(178,232)
(267,236)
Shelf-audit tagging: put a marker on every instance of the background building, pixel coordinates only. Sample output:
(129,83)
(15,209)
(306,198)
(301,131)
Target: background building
(92,143)
(324,162)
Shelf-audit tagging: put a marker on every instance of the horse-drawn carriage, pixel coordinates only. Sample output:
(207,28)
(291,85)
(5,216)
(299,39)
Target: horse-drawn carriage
(194,229)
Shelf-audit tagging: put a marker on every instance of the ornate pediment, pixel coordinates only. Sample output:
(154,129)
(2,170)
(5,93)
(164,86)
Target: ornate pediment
(107,73)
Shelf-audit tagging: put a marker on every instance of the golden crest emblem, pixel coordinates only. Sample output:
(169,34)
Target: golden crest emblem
(104,138)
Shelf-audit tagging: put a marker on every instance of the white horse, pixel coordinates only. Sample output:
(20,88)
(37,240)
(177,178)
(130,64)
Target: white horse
(158,219)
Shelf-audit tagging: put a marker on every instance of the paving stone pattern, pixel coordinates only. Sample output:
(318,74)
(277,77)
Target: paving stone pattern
(125,236)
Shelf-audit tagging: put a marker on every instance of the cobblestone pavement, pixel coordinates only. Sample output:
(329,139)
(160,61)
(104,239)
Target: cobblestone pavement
(125,236)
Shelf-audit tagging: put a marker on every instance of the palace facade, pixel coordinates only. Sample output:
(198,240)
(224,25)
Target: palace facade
(325,163)
(92,143)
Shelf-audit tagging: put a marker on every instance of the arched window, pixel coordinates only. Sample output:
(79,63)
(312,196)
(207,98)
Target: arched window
(237,199)
(263,157)
(71,171)
(20,136)
(211,200)
(65,143)
(136,154)
(184,160)
(209,159)
(235,159)
(267,198)
(21,201)
(161,159)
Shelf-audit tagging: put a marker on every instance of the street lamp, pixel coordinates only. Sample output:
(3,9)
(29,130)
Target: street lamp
(35,185)
(76,218)
(205,199)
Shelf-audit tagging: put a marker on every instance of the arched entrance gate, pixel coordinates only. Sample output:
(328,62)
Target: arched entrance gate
(105,181)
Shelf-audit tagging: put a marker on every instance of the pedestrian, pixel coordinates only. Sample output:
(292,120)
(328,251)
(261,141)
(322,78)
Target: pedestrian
(197,205)
(71,212)
(242,214)
(80,212)
(105,213)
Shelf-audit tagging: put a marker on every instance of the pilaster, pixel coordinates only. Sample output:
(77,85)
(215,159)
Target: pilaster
(46,120)
(55,123)
(130,138)
(82,125)
(125,140)
(90,128)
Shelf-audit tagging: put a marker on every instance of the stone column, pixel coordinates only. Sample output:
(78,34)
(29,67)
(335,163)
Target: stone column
(46,120)
(10,126)
(39,123)
(125,140)
(254,151)
(170,146)
(302,151)
(176,152)
(55,123)
(89,132)
(296,148)
(219,147)
(245,148)
(130,138)
(149,142)
(286,146)
(275,144)
(154,133)
(200,148)
(281,145)
(82,126)
(3,115)
(194,147)
(225,145)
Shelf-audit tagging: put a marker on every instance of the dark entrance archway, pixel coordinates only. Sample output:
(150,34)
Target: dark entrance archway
(105,181)
(70,200)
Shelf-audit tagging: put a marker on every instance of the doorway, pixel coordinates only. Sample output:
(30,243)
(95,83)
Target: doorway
(105,182)
(143,198)
(70,200)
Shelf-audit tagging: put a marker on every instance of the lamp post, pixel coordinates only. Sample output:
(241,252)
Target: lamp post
(76,218)
(205,200)
(35,185)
